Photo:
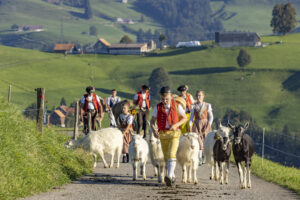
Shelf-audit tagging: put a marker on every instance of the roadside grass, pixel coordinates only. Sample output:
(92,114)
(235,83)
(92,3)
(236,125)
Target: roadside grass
(31,162)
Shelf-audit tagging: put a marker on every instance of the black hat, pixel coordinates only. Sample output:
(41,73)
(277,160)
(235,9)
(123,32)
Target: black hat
(182,88)
(113,90)
(145,87)
(165,89)
(88,89)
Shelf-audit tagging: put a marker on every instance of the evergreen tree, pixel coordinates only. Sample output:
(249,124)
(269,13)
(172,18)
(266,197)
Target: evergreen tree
(243,58)
(14,27)
(283,18)
(126,40)
(162,38)
(63,102)
(31,111)
(93,30)
(88,13)
(158,78)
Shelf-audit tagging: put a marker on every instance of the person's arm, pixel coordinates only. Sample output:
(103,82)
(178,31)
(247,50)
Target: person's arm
(210,115)
(183,118)
(192,99)
(129,124)
(100,109)
(191,118)
(153,121)
(82,108)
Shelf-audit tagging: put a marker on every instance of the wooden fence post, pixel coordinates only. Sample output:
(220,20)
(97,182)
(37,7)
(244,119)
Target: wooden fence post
(9,93)
(40,93)
(75,133)
(263,147)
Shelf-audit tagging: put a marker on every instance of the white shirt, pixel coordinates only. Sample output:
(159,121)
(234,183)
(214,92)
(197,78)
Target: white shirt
(90,104)
(123,117)
(209,114)
(112,99)
(144,105)
(180,111)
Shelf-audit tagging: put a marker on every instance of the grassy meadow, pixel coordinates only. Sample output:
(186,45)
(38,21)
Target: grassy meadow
(257,89)
(31,162)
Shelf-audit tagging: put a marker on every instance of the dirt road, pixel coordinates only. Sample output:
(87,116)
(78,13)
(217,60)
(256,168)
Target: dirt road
(117,184)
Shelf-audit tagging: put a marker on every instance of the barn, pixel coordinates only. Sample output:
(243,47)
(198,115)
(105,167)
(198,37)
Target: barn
(128,49)
(235,39)
(101,46)
(65,48)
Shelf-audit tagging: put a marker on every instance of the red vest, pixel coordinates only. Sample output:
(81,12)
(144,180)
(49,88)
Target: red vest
(139,101)
(188,101)
(98,107)
(162,116)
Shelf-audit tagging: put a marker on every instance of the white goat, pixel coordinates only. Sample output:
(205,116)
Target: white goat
(187,156)
(107,140)
(209,143)
(138,152)
(157,156)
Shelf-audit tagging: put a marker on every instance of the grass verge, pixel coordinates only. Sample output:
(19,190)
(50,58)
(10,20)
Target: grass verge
(32,162)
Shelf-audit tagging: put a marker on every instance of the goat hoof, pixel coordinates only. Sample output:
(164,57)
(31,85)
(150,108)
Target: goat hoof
(105,166)
(117,166)
(249,186)
(155,175)
(211,177)
(195,182)
(226,182)
(243,186)
(110,166)
(184,182)
(189,181)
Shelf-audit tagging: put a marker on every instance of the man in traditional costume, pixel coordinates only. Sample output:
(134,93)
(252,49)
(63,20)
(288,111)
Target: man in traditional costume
(110,102)
(168,115)
(142,100)
(90,104)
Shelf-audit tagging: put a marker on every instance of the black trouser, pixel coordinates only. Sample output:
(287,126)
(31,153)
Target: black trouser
(86,121)
(142,118)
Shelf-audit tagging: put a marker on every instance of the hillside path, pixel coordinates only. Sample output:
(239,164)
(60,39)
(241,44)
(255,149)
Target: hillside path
(117,184)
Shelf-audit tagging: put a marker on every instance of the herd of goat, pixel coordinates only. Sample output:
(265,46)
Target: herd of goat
(217,151)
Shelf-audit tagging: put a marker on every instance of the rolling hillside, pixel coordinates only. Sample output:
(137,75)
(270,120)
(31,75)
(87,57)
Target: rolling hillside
(240,15)
(258,90)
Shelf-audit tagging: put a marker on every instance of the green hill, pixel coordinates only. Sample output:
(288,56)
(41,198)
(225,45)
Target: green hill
(259,89)
(32,162)
(242,15)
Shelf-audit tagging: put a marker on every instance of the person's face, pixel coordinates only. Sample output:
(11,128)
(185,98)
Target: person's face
(183,93)
(114,93)
(125,109)
(166,98)
(200,96)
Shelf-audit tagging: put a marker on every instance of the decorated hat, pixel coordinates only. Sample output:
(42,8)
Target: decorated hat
(165,89)
(182,88)
(145,87)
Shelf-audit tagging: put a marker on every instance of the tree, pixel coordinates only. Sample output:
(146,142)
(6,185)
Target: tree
(244,58)
(63,102)
(14,27)
(158,78)
(31,111)
(283,18)
(88,13)
(93,30)
(162,38)
(126,40)
(142,19)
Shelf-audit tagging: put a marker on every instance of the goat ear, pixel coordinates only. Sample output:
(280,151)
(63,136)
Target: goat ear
(230,125)
(246,125)
(220,124)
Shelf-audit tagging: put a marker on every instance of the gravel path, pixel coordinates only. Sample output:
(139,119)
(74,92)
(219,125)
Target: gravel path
(117,184)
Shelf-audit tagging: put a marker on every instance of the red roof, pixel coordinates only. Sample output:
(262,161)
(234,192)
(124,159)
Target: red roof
(64,47)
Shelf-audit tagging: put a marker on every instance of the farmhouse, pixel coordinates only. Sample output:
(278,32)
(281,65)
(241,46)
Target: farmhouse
(234,39)
(65,48)
(128,49)
(58,116)
(102,46)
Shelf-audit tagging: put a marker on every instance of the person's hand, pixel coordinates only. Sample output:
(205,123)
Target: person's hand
(156,134)
(173,127)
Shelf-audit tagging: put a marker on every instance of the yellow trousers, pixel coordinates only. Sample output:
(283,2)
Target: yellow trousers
(169,143)
(185,127)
